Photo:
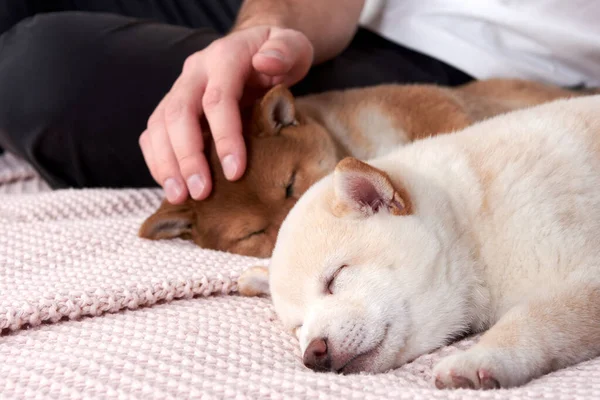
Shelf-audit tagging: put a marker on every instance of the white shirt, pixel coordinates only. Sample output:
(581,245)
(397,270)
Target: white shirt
(554,41)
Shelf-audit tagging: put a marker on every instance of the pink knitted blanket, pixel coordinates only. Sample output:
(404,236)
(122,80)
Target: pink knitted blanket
(88,310)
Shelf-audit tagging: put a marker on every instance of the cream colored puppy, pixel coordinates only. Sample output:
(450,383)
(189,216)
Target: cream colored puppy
(495,227)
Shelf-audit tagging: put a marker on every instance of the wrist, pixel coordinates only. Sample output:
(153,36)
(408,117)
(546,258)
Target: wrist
(274,21)
(249,18)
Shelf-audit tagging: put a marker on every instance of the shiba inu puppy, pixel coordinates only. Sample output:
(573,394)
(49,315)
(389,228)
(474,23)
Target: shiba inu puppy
(494,228)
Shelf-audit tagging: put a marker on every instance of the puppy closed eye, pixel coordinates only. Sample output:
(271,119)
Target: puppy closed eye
(330,285)
(253,234)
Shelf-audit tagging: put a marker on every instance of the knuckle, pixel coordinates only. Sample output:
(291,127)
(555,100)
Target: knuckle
(174,109)
(190,63)
(153,121)
(212,98)
(164,169)
(188,163)
(186,159)
(218,47)
(224,143)
(143,140)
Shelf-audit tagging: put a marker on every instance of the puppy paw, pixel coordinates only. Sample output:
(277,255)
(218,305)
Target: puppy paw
(254,282)
(473,369)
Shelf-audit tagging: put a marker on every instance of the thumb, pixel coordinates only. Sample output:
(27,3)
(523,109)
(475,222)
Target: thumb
(286,53)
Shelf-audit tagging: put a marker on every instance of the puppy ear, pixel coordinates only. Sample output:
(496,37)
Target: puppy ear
(254,282)
(362,190)
(275,111)
(168,222)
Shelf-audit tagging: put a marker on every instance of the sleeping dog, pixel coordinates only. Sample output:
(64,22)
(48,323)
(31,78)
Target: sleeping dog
(494,228)
(292,143)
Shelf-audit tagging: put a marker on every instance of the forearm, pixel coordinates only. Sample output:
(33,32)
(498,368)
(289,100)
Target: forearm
(328,24)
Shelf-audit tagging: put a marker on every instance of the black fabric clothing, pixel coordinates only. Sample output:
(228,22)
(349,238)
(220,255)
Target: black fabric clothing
(79,79)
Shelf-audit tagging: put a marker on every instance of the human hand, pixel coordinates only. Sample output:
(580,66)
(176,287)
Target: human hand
(212,83)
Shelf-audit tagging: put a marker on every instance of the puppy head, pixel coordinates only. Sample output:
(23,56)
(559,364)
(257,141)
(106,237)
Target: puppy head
(353,272)
(287,152)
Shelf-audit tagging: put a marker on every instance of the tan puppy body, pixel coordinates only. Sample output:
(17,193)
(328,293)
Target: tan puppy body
(494,227)
(292,143)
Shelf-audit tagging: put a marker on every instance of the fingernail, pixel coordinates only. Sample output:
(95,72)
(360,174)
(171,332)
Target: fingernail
(230,166)
(196,185)
(172,189)
(273,54)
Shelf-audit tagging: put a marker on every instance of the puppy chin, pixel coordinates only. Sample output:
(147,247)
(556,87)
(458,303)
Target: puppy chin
(387,355)
(378,360)
(374,364)
(362,364)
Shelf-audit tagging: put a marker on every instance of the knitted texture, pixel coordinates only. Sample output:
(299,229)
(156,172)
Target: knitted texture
(221,347)
(74,254)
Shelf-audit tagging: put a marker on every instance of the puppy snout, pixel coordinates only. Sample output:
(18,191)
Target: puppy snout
(317,356)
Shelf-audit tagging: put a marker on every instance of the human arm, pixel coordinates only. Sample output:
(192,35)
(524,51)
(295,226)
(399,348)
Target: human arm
(272,41)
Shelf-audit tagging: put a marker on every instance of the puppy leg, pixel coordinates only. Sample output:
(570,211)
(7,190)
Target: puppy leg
(530,340)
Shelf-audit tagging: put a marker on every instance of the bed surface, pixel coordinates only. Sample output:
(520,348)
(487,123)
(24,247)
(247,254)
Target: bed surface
(90,310)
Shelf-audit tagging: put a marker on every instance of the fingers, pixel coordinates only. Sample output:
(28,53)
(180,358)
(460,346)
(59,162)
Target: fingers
(160,158)
(286,56)
(177,145)
(181,116)
(173,145)
(221,107)
(146,146)
(163,159)
(212,83)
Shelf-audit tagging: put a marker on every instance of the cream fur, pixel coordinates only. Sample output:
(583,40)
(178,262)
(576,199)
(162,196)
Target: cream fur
(503,236)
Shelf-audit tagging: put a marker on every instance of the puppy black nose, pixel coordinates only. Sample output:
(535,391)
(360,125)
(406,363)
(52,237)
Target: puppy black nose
(316,356)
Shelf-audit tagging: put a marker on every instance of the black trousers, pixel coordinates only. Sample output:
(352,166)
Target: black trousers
(79,79)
